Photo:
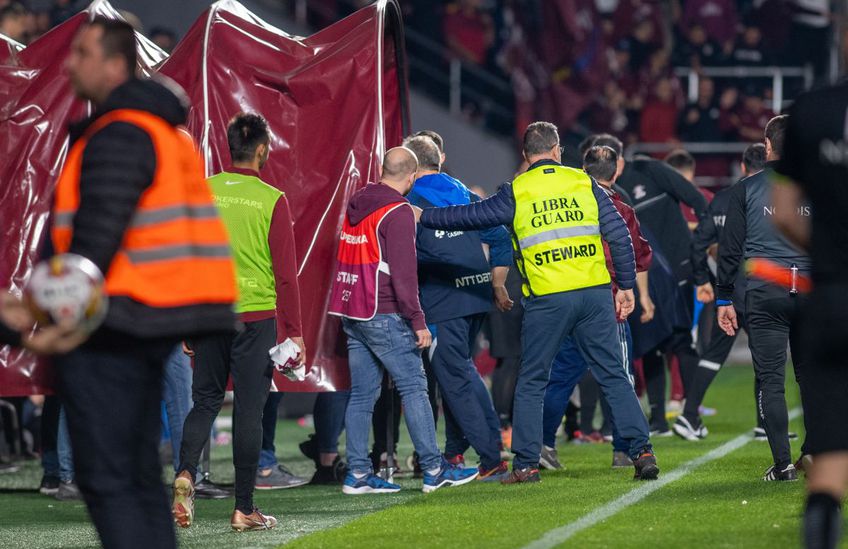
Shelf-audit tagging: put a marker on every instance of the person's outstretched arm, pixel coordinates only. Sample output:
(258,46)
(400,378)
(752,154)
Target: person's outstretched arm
(498,209)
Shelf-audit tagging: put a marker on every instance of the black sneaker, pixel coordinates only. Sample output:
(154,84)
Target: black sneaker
(686,430)
(309,448)
(646,466)
(206,489)
(332,474)
(760,435)
(49,485)
(787,474)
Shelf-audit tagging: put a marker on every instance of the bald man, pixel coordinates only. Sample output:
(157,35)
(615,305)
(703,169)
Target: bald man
(375,292)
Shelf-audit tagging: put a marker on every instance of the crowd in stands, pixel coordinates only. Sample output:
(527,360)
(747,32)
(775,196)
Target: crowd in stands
(609,65)
(590,65)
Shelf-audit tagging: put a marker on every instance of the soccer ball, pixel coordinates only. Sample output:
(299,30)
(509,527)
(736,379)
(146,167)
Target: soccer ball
(67,289)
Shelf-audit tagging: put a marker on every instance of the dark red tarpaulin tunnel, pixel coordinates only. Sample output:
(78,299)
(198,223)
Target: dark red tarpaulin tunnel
(334,101)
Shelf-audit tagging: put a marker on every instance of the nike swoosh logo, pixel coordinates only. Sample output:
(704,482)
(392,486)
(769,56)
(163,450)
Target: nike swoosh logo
(231,182)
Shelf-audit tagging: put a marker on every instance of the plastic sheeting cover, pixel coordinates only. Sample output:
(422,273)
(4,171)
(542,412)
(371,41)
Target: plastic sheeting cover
(334,102)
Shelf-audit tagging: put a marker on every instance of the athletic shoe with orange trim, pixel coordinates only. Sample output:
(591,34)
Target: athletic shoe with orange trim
(521,476)
(646,466)
(495,474)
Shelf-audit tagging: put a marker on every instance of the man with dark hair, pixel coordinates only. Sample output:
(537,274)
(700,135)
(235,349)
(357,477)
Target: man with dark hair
(772,310)
(132,200)
(457,282)
(164,38)
(753,159)
(705,243)
(813,167)
(375,292)
(600,163)
(657,191)
(559,219)
(259,222)
(13,22)
(683,162)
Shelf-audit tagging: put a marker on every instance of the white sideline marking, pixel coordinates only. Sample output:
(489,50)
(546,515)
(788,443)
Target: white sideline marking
(554,537)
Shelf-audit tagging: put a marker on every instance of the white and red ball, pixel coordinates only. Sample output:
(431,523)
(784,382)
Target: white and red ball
(67,289)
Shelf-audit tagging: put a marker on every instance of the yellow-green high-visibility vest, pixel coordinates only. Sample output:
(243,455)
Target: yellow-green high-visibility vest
(556,231)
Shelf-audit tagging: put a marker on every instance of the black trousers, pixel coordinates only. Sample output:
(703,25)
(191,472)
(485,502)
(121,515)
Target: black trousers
(111,390)
(244,356)
(773,321)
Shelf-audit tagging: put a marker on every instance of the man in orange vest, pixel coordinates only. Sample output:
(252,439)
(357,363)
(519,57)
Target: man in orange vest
(132,198)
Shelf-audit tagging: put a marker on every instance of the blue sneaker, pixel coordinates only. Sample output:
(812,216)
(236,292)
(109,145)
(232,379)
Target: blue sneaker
(449,475)
(369,484)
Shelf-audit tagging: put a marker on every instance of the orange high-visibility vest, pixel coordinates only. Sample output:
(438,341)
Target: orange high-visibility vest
(175,252)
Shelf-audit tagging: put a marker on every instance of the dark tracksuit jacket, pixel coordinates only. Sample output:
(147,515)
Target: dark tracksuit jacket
(657,191)
(499,209)
(772,315)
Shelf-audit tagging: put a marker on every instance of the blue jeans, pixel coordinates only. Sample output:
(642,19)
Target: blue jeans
(63,449)
(470,416)
(387,341)
(588,316)
(176,393)
(567,369)
(268,454)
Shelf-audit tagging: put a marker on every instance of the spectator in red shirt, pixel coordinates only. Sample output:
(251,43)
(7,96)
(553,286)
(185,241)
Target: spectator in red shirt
(658,123)
(469,31)
(718,17)
(751,117)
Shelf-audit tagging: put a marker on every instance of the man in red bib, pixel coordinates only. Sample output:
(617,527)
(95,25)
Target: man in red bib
(375,291)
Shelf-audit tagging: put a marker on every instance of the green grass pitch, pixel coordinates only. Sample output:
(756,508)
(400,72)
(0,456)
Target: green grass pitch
(721,504)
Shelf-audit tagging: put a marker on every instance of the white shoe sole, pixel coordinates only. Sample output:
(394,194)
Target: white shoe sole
(549,465)
(294,485)
(684,433)
(351,491)
(452,483)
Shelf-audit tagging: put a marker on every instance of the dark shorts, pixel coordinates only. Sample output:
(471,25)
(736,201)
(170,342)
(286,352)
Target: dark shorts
(825,377)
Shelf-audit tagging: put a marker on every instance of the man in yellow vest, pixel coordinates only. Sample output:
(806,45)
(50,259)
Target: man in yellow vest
(558,217)
(133,200)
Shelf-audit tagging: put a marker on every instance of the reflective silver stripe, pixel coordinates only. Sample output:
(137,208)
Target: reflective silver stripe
(178,252)
(554,234)
(171,213)
(63,220)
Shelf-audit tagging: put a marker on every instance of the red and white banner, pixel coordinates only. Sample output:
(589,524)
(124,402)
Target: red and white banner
(334,101)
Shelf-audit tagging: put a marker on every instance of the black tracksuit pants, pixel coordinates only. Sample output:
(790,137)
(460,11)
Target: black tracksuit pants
(244,355)
(774,321)
(111,390)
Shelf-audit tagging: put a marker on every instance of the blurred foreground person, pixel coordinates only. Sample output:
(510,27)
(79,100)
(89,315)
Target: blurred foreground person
(132,199)
(814,167)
